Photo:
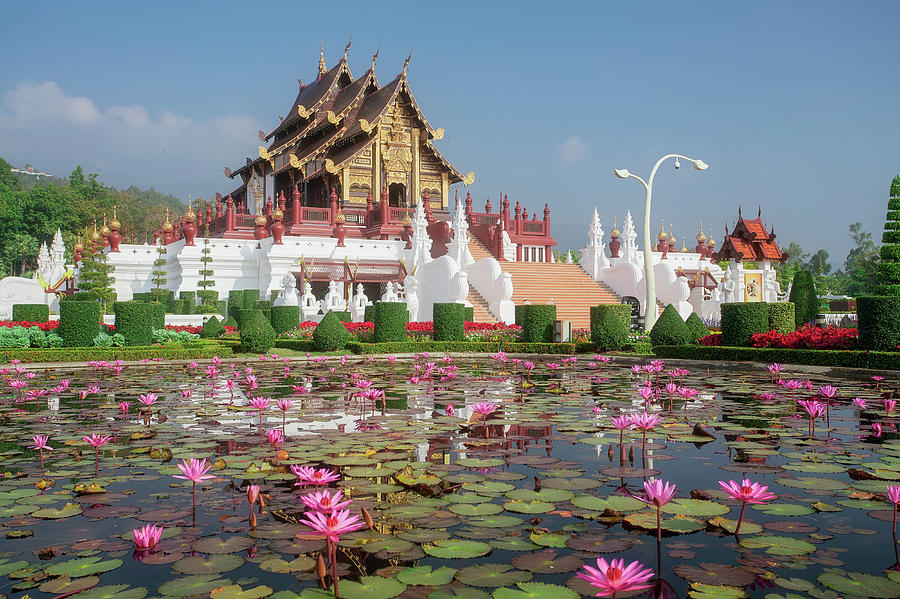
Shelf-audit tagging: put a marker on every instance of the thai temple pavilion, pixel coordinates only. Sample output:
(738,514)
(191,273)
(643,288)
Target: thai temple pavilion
(355,139)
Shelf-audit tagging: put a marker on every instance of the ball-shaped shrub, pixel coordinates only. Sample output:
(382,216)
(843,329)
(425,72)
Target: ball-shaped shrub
(879,322)
(669,328)
(538,327)
(449,321)
(804,298)
(740,320)
(134,320)
(30,312)
(696,328)
(257,334)
(284,318)
(330,334)
(782,318)
(610,325)
(212,328)
(390,322)
(79,323)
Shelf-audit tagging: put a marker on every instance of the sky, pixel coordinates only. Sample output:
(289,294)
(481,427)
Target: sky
(795,106)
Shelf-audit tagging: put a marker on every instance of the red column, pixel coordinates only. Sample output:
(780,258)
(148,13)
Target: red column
(385,209)
(295,206)
(333,204)
(229,214)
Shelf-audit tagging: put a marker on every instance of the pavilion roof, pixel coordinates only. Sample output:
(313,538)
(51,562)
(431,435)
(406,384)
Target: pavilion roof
(749,240)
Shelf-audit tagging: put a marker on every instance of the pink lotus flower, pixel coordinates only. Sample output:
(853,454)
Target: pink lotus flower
(274,437)
(284,405)
(876,429)
(894,497)
(615,577)
(371,395)
(307,475)
(40,443)
(147,537)
(746,492)
(449,410)
(252,494)
(334,524)
(774,369)
(196,472)
(96,440)
(645,421)
(93,389)
(688,392)
(260,403)
(186,393)
(827,391)
(636,369)
(889,405)
(124,406)
(484,408)
(860,403)
(815,409)
(877,380)
(148,399)
(658,493)
(325,502)
(646,392)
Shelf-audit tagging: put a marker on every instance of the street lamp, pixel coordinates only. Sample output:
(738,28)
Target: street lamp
(649,279)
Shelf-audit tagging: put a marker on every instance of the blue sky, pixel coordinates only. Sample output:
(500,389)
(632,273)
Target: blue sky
(794,105)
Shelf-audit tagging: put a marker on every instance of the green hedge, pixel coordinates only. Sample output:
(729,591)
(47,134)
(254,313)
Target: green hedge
(610,325)
(740,320)
(520,315)
(879,321)
(470,314)
(343,315)
(781,317)
(538,327)
(330,334)
(249,298)
(696,329)
(369,314)
(181,306)
(208,296)
(449,321)
(284,318)
(190,296)
(265,306)
(295,344)
(390,322)
(810,357)
(257,335)
(169,351)
(79,323)
(30,312)
(212,328)
(669,328)
(79,296)
(157,315)
(411,347)
(804,298)
(134,320)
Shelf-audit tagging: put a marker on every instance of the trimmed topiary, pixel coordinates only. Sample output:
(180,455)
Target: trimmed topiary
(230,322)
(79,323)
(284,318)
(740,320)
(696,328)
(330,334)
(449,321)
(781,317)
(804,298)
(610,325)
(669,328)
(369,314)
(239,314)
(157,314)
(470,313)
(30,312)
(208,296)
(390,322)
(343,315)
(879,322)
(520,314)
(257,334)
(538,326)
(212,328)
(887,273)
(265,306)
(134,320)
(249,298)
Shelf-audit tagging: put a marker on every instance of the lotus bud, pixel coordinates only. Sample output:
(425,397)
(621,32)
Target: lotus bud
(367,518)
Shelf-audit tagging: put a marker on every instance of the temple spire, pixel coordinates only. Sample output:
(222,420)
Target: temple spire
(375,57)
(322,68)
(406,63)
(347,48)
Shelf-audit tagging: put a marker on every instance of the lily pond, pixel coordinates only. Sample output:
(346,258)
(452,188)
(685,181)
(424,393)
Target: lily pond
(472,501)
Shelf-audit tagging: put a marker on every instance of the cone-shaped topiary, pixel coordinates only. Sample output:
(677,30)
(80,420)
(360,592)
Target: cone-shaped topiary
(257,334)
(804,298)
(330,334)
(212,328)
(669,329)
(695,327)
(888,271)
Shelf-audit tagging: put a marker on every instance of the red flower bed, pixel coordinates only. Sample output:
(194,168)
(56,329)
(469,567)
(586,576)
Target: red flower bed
(44,326)
(475,331)
(711,340)
(808,338)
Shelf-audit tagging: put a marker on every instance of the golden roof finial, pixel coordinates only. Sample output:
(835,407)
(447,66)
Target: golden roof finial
(711,241)
(672,238)
(662,230)
(104,230)
(615,230)
(700,236)
(406,63)
(347,47)
(375,57)
(683,246)
(322,68)
(114,223)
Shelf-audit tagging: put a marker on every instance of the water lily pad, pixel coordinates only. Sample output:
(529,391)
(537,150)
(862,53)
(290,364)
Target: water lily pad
(747,527)
(784,509)
(476,509)
(371,587)
(115,591)
(222,545)
(859,585)
(715,574)
(700,590)
(457,549)
(190,586)
(84,566)
(68,510)
(614,503)
(778,545)
(548,539)
(599,543)
(546,562)
(676,525)
(528,507)
(491,575)
(548,495)
(214,564)
(66,584)
(234,591)
(695,507)
(535,590)
(424,575)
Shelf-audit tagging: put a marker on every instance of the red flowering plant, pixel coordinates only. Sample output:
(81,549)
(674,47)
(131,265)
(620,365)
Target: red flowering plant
(713,340)
(808,338)
(419,331)
(492,331)
(44,326)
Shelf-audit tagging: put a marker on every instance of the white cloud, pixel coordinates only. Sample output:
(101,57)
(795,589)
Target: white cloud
(41,124)
(572,150)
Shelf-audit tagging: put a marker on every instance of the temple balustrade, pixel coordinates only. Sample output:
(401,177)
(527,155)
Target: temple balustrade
(488,227)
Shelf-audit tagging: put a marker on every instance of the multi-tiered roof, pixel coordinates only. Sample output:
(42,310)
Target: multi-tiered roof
(749,240)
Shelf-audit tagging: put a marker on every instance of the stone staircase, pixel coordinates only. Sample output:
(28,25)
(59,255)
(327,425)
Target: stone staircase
(480,306)
(565,285)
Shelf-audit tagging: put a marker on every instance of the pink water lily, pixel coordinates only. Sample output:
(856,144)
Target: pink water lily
(889,405)
(814,409)
(323,501)
(40,443)
(332,526)
(307,475)
(860,403)
(260,404)
(274,437)
(657,493)
(96,440)
(195,471)
(615,577)
(147,537)
(746,492)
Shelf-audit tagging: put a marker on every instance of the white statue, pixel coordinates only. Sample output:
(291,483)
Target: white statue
(411,288)
(728,285)
(358,304)
(390,295)
(334,299)
(309,305)
(288,295)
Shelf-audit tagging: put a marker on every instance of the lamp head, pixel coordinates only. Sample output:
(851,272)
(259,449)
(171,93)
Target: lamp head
(700,165)
(622,173)
(677,164)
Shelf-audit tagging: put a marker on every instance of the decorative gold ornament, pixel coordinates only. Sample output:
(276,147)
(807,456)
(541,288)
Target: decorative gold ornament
(339,218)
(278,214)
(263,153)
(322,68)
(469,178)
(683,249)
(662,232)
(700,236)
(615,231)
(104,230)
(672,240)
(114,223)
(261,221)
(711,241)
(439,133)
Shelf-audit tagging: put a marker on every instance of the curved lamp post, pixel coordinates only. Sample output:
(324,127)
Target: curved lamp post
(649,279)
